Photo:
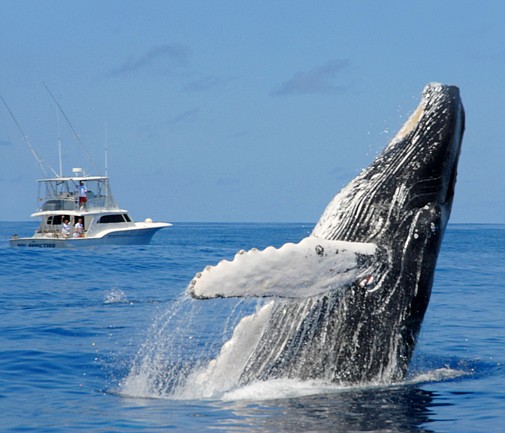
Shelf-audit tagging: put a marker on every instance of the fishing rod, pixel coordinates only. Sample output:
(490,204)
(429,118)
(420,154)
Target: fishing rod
(85,150)
(38,159)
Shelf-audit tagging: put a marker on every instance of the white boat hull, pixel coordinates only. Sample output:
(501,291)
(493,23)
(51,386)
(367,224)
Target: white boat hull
(80,211)
(133,236)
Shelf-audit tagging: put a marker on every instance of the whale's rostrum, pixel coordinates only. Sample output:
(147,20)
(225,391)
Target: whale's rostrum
(347,302)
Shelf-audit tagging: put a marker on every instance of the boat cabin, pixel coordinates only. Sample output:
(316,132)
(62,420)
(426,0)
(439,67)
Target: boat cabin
(70,199)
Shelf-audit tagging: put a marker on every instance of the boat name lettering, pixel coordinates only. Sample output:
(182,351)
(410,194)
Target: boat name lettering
(48,245)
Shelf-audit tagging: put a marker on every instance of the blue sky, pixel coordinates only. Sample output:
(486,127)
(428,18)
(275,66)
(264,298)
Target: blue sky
(243,111)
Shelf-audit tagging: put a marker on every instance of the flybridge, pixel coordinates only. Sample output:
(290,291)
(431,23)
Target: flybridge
(62,194)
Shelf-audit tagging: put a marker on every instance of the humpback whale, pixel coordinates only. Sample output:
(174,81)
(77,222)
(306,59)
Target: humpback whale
(345,305)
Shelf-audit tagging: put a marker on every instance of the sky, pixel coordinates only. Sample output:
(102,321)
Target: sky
(235,111)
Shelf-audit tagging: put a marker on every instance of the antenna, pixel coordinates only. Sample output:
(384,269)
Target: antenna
(106,151)
(72,128)
(38,159)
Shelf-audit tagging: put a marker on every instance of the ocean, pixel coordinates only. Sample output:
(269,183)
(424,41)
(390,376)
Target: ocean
(93,340)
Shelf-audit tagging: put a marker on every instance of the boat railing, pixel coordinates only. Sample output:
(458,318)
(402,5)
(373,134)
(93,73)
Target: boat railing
(60,204)
(45,229)
(71,203)
(100,202)
(57,234)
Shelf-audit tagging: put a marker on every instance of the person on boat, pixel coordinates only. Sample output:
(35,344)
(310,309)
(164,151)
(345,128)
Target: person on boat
(65,228)
(82,195)
(79,229)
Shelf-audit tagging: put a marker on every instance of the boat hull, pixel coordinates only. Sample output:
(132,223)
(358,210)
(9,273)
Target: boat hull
(137,236)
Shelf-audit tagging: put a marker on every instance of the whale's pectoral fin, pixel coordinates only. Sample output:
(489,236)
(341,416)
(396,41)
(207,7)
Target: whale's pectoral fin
(311,267)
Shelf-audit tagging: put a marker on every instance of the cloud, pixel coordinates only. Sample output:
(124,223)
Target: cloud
(205,83)
(5,143)
(161,58)
(318,80)
(187,116)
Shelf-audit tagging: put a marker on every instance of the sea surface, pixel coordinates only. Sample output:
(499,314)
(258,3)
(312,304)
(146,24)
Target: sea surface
(75,326)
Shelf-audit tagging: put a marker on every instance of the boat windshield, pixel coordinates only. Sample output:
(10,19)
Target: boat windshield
(75,193)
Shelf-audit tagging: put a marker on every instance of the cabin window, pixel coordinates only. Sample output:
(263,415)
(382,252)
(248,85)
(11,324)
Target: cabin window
(114,218)
(54,220)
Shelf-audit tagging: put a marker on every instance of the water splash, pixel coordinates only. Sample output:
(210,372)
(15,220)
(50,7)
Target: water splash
(115,296)
(155,368)
(229,349)
(223,373)
(179,346)
(192,351)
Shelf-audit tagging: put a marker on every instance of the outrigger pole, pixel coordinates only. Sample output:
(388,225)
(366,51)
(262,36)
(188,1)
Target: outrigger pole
(59,144)
(72,128)
(38,159)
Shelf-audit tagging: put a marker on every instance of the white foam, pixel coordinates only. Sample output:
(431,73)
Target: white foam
(279,389)
(438,375)
(292,388)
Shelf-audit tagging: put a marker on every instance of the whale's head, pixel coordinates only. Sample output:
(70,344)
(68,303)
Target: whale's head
(413,178)
(350,298)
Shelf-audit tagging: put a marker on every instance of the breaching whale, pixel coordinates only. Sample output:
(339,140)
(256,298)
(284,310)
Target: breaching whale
(348,301)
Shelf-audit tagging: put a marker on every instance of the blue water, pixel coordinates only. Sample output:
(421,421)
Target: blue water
(75,323)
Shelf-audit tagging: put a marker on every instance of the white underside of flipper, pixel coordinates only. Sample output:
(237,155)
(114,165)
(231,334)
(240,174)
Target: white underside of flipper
(311,267)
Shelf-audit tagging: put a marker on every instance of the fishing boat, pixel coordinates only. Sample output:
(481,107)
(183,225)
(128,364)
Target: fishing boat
(80,211)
